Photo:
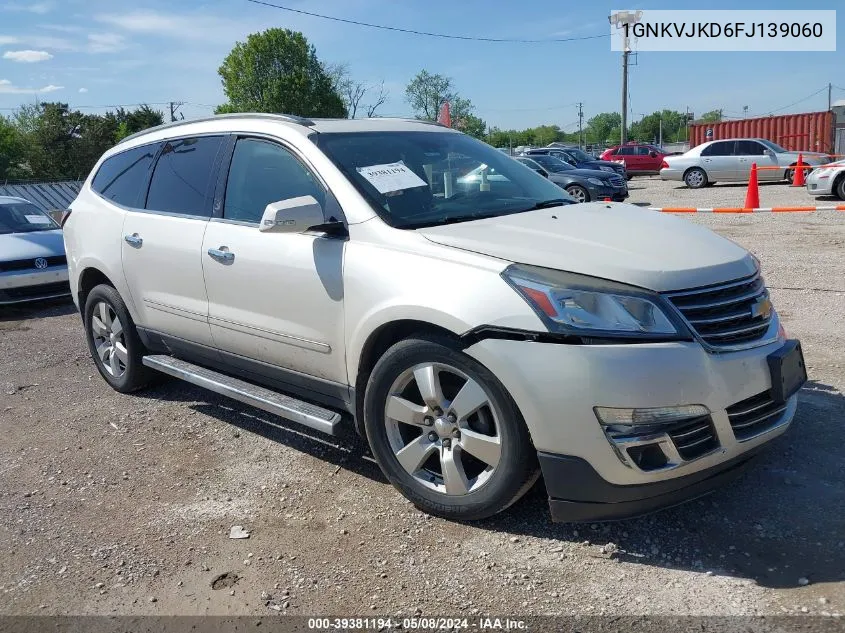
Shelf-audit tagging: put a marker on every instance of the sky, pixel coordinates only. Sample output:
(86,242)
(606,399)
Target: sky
(95,53)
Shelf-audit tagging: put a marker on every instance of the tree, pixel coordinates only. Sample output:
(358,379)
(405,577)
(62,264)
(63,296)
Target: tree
(11,150)
(426,93)
(711,117)
(381,97)
(603,127)
(647,129)
(464,119)
(277,70)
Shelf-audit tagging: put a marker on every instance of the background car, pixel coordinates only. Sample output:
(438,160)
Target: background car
(585,185)
(639,159)
(578,159)
(730,160)
(828,181)
(33,265)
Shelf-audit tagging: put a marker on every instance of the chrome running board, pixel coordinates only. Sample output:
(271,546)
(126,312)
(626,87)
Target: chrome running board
(303,413)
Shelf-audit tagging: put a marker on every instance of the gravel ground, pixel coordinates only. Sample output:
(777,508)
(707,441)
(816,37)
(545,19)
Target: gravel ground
(651,191)
(113,504)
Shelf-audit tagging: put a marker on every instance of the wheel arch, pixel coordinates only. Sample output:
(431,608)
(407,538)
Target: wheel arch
(377,343)
(837,180)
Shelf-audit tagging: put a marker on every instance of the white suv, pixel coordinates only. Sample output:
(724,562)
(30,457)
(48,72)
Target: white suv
(477,332)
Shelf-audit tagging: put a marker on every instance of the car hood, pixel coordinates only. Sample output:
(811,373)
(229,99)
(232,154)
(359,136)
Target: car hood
(14,246)
(619,242)
(793,156)
(595,164)
(589,173)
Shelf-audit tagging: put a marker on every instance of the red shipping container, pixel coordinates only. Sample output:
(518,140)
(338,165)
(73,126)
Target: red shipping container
(808,132)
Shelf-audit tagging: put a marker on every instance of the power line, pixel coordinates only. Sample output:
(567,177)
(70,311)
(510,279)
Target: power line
(820,90)
(427,33)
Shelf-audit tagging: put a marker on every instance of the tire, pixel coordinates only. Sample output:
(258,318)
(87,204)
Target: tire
(839,188)
(695,178)
(113,341)
(578,192)
(789,175)
(447,467)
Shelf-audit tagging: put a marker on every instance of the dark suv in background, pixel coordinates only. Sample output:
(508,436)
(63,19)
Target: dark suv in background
(579,159)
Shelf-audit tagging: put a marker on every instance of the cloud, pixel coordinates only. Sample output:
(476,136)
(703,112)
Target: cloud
(8,39)
(7,87)
(105,42)
(83,90)
(27,56)
(184,26)
(36,7)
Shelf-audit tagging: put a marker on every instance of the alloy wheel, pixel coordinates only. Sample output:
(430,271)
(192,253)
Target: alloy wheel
(109,339)
(443,428)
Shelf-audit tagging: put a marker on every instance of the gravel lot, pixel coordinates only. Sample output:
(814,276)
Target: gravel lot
(123,504)
(651,191)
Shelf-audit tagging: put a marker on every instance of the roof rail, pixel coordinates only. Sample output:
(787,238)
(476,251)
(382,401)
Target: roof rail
(289,118)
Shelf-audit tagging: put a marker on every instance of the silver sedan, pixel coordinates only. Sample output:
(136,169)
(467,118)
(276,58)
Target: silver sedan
(32,254)
(730,160)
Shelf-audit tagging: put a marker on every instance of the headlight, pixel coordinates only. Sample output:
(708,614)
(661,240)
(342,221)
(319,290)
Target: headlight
(597,182)
(592,307)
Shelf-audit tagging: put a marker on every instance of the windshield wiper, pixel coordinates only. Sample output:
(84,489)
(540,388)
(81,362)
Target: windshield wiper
(449,219)
(545,204)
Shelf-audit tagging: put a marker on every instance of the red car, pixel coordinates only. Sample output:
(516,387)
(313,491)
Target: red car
(639,159)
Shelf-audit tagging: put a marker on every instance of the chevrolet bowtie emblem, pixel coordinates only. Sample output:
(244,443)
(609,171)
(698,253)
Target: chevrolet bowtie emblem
(761,308)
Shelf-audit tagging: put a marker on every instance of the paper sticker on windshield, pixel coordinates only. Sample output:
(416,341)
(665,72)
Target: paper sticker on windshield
(391,177)
(37,219)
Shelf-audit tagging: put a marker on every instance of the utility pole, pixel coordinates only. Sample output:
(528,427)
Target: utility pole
(580,125)
(829,96)
(624,20)
(174,109)
(660,142)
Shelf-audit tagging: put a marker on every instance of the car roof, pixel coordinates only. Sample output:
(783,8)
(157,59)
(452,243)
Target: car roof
(220,122)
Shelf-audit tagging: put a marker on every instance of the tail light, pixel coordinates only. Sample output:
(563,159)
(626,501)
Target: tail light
(664,165)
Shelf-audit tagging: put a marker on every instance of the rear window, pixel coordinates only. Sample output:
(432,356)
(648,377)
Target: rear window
(182,177)
(122,177)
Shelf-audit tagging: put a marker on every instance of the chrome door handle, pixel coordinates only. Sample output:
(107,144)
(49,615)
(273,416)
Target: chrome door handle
(134,240)
(222,256)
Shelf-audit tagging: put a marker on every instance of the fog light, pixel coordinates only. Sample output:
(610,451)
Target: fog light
(648,417)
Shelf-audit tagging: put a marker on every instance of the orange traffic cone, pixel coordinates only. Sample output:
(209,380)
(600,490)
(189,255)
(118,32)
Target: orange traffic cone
(798,179)
(752,198)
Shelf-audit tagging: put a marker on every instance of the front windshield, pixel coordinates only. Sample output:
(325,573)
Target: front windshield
(416,179)
(579,155)
(23,217)
(773,146)
(552,163)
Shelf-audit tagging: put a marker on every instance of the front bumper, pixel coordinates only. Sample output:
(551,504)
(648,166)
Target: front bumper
(34,285)
(556,387)
(617,194)
(820,186)
(577,493)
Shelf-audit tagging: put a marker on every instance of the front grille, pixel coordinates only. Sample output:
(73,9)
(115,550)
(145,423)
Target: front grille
(729,314)
(755,415)
(617,181)
(694,438)
(33,292)
(29,264)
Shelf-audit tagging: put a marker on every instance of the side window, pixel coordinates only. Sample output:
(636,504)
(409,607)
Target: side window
(724,148)
(261,173)
(749,148)
(122,177)
(182,176)
(625,151)
(642,150)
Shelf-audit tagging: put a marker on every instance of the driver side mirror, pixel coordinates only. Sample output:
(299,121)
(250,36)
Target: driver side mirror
(294,215)
(653,154)
(768,152)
